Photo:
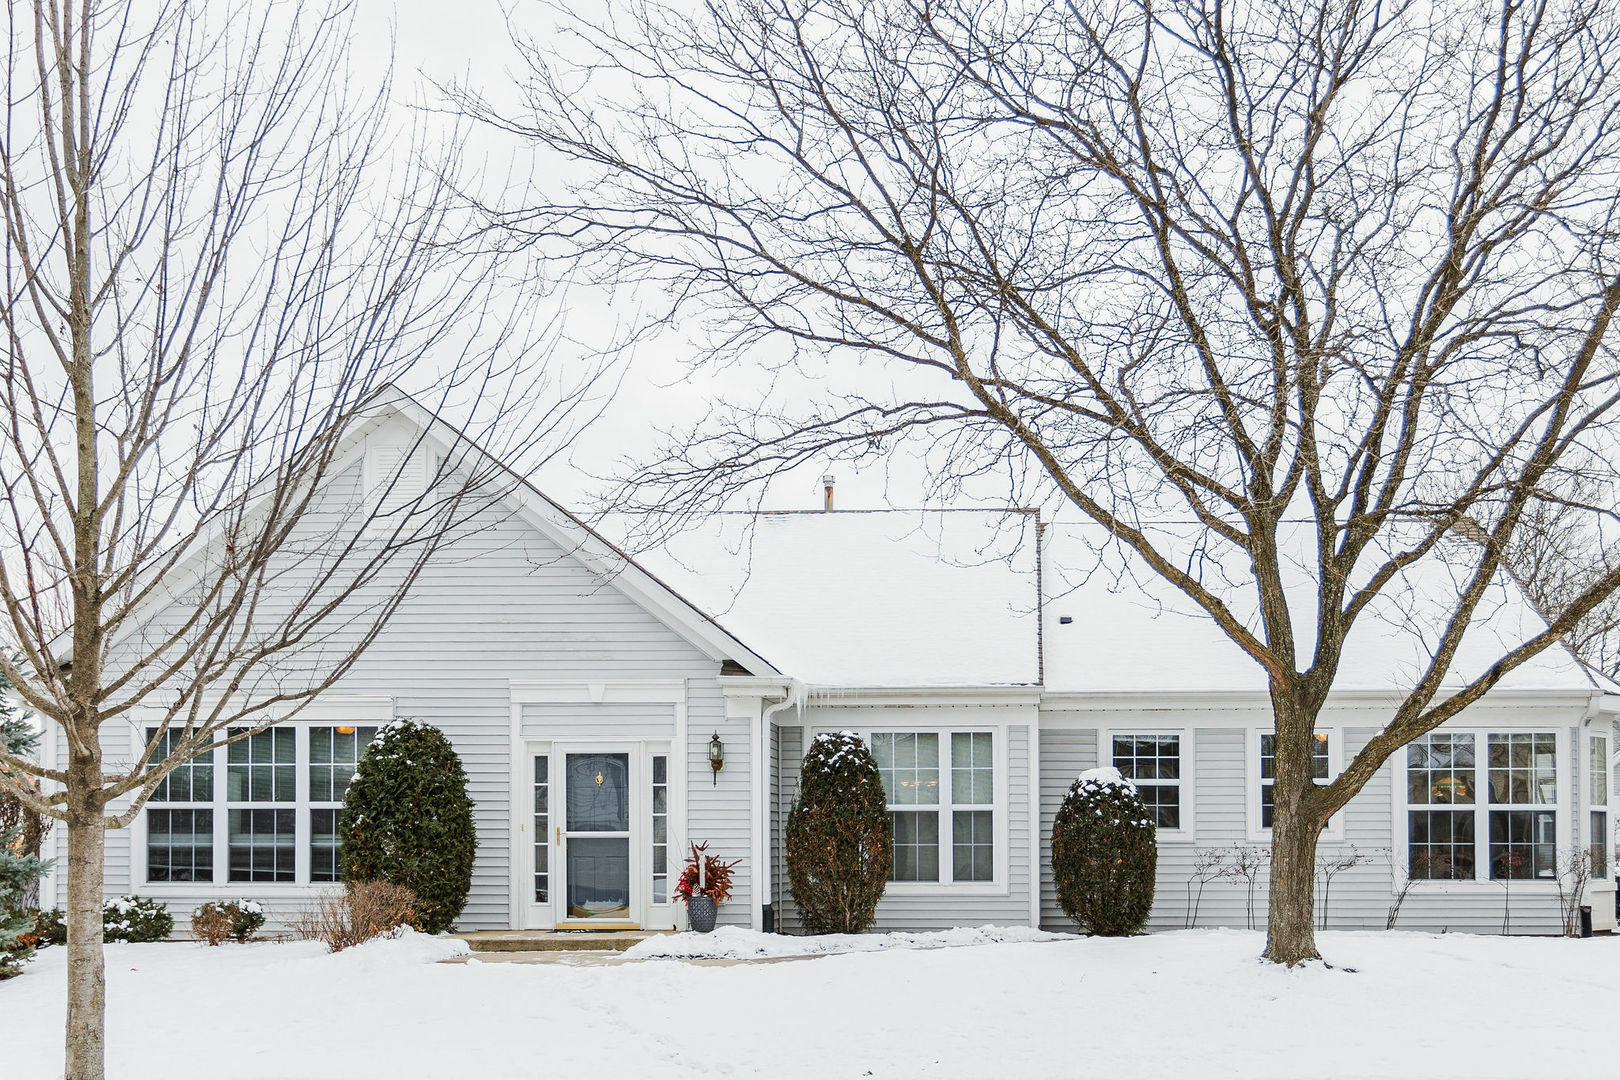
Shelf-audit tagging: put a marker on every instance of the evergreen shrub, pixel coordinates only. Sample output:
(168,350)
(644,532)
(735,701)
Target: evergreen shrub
(1105,854)
(840,842)
(135,918)
(407,819)
(21,830)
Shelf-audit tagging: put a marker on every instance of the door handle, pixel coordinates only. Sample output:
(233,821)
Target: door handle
(559,836)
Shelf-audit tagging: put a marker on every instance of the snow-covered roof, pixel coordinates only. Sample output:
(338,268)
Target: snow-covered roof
(1133,632)
(891,598)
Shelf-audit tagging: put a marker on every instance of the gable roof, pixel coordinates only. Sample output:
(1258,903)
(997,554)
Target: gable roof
(889,598)
(1133,632)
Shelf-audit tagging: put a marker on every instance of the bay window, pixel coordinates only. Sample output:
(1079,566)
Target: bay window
(940,787)
(1462,829)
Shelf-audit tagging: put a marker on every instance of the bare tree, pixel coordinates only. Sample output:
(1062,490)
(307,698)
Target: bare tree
(219,258)
(1330,280)
(1569,538)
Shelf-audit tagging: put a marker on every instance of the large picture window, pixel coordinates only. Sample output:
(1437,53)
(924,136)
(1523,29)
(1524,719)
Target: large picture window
(941,794)
(1482,820)
(263,809)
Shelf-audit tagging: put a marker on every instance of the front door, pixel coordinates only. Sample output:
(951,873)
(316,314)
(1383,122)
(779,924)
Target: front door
(596,835)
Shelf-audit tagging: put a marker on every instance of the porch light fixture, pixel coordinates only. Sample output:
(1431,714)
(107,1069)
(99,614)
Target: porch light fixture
(717,756)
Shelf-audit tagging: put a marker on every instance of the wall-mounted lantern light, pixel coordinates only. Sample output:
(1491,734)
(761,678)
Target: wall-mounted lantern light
(717,756)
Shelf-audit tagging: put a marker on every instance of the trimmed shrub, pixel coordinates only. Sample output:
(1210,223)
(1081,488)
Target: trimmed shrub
(358,912)
(1105,854)
(227,920)
(840,842)
(407,819)
(50,927)
(135,918)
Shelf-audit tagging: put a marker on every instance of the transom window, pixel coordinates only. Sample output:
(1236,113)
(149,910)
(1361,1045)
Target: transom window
(1153,763)
(1321,767)
(263,809)
(1461,829)
(942,809)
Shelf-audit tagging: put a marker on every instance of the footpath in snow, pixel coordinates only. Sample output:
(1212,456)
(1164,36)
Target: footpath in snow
(1020,1005)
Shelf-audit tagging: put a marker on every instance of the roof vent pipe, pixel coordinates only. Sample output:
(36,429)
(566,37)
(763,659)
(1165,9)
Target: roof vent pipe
(827,491)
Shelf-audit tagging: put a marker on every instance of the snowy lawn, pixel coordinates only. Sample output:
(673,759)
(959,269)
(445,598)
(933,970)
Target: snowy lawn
(1190,1004)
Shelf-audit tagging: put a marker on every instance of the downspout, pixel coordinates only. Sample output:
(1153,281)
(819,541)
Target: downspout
(764,850)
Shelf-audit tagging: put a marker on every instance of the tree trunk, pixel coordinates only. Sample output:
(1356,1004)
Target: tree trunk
(87,970)
(1291,926)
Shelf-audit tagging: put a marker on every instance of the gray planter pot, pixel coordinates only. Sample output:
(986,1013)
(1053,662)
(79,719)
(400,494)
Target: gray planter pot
(700,911)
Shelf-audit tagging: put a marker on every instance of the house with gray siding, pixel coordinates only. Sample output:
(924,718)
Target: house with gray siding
(611,710)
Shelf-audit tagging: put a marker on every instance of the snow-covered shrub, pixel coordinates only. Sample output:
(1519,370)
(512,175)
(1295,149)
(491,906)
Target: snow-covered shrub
(135,918)
(359,911)
(407,819)
(1105,854)
(227,920)
(839,838)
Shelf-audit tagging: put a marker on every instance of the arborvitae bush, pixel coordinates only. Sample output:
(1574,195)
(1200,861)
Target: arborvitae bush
(407,819)
(1105,854)
(839,839)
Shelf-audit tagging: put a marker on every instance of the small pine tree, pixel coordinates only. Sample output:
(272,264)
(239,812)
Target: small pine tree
(407,819)
(20,867)
(1105,854)
(840,842)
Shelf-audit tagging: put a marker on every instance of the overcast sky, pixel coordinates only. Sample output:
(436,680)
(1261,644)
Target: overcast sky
(468,40)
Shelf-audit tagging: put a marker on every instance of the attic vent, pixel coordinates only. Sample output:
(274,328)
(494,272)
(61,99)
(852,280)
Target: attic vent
(395,478)
(1065,620)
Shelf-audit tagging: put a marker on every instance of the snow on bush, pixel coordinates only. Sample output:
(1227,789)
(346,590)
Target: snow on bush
(227,920)
(135,918)
(838,838)
(1105,854)
(407,819)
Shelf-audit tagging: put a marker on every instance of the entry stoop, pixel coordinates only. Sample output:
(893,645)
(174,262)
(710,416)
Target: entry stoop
(505,941)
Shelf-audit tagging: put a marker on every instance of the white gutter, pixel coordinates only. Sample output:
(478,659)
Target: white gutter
(794,693)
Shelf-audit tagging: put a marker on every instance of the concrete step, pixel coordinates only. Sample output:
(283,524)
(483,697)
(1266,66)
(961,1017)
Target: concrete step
(555,940)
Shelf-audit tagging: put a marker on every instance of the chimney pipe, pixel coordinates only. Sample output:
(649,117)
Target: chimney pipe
(827,489)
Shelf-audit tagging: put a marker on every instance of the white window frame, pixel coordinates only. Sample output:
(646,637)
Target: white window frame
(335,711)
(1482,807)
(1187,832)
(1000,822)
(1253,782)
(306,820)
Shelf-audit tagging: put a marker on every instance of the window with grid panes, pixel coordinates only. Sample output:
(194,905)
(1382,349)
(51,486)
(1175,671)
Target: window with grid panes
(261,806)
(1153,764)
(180,816)
(1268,771)
(333,754)
(940,787)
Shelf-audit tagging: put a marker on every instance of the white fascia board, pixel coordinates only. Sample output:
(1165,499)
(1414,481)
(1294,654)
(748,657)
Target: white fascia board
(1247,699)
(834,696)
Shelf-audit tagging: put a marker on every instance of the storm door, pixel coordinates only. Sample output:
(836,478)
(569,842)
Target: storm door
(596,861)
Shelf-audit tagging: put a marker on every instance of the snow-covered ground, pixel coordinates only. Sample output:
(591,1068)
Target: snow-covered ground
(1191,1004)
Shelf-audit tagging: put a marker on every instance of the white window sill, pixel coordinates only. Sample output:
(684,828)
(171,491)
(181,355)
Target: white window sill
(932,888)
